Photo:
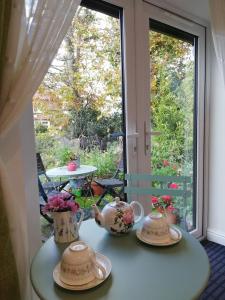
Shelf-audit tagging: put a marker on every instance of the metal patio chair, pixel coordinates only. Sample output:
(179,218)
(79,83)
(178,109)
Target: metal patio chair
(48,185)
(113,186)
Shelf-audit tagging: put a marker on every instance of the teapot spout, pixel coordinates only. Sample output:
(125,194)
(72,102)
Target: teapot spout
(99,219)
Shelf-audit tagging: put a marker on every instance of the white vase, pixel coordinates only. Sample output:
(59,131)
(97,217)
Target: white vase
(66,227)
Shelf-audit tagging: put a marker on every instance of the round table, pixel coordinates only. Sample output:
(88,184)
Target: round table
(83,170)
(139,271)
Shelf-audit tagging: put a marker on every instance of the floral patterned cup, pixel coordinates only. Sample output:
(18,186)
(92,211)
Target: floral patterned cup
(155,227)
(79,265)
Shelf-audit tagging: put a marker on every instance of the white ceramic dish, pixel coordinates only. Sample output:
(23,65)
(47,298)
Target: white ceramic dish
(101,259)
(175,232)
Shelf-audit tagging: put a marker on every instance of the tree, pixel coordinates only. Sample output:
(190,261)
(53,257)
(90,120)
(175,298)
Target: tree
(171,99)
(86,74)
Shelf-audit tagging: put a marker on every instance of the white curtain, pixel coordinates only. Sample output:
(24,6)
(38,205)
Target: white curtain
(217,13)
(37,28)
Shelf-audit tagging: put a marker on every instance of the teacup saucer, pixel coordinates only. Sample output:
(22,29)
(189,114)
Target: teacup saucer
(175,237)
(101,259)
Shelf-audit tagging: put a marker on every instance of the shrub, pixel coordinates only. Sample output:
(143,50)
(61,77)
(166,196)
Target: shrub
(55,154)
(63,155)
(46,145)
(105,161)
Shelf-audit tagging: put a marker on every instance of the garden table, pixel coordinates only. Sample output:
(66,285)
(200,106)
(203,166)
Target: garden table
(139,271)
(83,170)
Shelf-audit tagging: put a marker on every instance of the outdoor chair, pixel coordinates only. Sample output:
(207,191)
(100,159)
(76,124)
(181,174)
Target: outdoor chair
(113,186)
(48,185)
(43,199)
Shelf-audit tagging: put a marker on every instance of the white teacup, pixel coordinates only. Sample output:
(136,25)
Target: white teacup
(155,228)
(79,266)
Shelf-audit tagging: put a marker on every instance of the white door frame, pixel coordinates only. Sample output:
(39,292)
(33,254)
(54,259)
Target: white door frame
(136,15)
(143,12)
(128,36)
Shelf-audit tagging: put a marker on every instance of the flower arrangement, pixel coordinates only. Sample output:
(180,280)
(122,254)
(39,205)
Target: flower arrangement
(60,203)
(73,156)
(74,159)
(165,204)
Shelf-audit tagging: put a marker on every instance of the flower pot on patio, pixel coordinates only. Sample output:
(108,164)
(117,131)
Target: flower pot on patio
(71,166)
(97,189)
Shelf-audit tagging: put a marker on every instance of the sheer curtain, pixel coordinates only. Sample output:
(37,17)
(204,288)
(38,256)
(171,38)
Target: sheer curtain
(217,12)
(36,30)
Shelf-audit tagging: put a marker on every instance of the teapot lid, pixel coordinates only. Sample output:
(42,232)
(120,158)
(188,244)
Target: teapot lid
(118,203)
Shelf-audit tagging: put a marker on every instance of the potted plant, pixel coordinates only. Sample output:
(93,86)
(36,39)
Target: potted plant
(96,188)
(165,205)
(63,207)
(75,159)
(67,155)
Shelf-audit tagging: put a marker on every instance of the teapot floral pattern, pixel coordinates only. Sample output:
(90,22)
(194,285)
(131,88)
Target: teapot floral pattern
(123,221)
(118,217)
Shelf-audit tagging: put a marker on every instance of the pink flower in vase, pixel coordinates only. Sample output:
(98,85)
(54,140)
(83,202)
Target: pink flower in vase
(61,203)
(74,206)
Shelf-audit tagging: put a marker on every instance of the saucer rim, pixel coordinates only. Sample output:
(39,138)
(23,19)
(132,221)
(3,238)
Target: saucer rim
(95,282)
(156,243)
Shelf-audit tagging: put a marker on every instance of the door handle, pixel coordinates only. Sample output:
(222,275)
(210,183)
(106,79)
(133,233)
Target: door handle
(133,136)
(147,134)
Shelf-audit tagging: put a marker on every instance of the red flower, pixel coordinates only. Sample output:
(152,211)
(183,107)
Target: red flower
(154,200)
(167,198)
(171,208)
(173,186)
(166,163)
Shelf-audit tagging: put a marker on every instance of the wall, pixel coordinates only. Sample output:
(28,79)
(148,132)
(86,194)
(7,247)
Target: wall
(187,8)
(216,211)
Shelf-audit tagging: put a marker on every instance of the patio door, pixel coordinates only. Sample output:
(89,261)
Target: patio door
(170,57)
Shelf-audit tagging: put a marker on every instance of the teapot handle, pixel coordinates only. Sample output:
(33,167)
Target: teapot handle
(141,215)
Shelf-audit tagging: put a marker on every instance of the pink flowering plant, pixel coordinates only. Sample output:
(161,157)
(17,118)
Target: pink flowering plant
(60,203)
(165,204)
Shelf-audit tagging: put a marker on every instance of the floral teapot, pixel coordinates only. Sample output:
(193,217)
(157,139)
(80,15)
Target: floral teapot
(118,217)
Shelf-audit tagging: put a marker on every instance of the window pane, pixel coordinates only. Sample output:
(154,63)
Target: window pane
(172,54)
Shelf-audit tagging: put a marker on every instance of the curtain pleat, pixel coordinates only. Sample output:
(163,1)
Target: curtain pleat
(217,15)
(5,8)
(31,32)
(9,284)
